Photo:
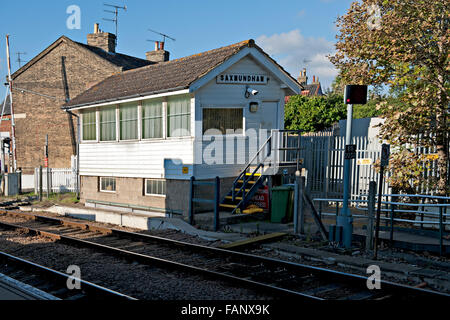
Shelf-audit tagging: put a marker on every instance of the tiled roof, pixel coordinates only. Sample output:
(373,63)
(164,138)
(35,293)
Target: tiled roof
(312,90)
(118,59)
(162,77)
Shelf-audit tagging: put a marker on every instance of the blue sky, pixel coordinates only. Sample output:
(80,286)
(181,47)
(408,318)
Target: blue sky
(290,31)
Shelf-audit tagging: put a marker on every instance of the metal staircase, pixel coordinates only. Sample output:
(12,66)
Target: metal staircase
(280,154)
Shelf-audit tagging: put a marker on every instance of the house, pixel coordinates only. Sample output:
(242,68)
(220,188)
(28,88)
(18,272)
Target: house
(5,128)
(310,90)
(313,89)
(62,71)
(147,131)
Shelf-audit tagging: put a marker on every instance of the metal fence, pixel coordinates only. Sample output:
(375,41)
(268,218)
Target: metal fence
(61,180)
(323,158)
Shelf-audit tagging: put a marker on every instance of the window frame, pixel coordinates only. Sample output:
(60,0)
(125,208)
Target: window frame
(152,194)
(94,111)
(168,116)
(136,120)
(107,191)
(162,117)
(203,108)
(115,125)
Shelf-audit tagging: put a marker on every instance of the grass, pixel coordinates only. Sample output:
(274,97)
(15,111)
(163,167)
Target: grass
(58,198)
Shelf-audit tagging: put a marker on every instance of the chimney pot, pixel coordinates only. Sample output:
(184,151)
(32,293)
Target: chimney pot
(161,46)
(96,28)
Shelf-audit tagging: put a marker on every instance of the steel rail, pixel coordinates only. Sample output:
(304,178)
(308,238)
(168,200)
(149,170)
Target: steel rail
(321,273)
(88,289)
(151,260)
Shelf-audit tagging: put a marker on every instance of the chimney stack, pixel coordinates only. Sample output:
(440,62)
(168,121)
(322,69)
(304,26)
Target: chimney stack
(159,55)
(303,79)
(102,40)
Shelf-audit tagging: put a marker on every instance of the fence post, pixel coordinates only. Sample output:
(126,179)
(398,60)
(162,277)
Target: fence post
(217,205)
(296,200)
(191,202)
(371,215)
(301,205)
(40,183)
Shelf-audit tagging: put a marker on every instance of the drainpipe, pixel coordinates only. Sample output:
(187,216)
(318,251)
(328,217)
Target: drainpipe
(78,151)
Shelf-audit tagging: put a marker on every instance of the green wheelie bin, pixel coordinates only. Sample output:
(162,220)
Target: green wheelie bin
(281,199)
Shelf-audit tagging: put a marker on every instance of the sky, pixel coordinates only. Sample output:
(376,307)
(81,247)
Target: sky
(296,33)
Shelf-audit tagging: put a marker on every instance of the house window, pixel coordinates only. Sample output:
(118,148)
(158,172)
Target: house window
(129,121)
(152,119)
(179,116)
(90,126)
(155,187)
(107,184)
(108,124)
(223,119)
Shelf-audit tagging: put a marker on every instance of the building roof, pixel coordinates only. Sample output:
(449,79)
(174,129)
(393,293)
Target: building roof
(119,60)
(162,77)
(312,90)
(7,107)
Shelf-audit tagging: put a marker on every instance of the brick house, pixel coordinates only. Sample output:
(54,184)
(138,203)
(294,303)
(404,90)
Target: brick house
(62,71)
(5,126)
(313,89)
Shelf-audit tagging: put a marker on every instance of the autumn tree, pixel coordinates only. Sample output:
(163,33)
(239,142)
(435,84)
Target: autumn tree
(404,45)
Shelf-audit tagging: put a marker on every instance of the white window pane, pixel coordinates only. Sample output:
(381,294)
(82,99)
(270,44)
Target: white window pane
(179,117)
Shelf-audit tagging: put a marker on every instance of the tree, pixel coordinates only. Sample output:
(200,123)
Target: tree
(312,114)
(403,44)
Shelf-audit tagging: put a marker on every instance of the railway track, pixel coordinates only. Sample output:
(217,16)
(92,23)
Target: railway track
(53,282)
(276,277)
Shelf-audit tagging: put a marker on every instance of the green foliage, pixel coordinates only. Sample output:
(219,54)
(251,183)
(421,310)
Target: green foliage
(315,113)
(408,51)
(368,110)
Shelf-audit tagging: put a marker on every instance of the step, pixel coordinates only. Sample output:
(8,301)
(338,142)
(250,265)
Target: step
(248,182)
(246,190)
(235,198)
(229,206)
(256,174)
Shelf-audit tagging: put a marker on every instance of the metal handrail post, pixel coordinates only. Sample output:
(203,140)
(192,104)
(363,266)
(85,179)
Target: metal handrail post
(191,201)
(216,205)
(441,231)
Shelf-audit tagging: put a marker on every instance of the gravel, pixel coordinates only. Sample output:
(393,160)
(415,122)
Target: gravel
(130,278)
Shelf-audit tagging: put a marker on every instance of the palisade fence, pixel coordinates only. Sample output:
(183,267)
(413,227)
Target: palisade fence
(61,180)
(323,156)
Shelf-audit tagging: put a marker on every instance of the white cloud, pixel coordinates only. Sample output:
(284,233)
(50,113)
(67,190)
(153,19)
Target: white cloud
(291,49)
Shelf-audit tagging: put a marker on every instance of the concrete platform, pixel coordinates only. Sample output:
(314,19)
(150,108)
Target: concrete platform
(13,290)
(138,221)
